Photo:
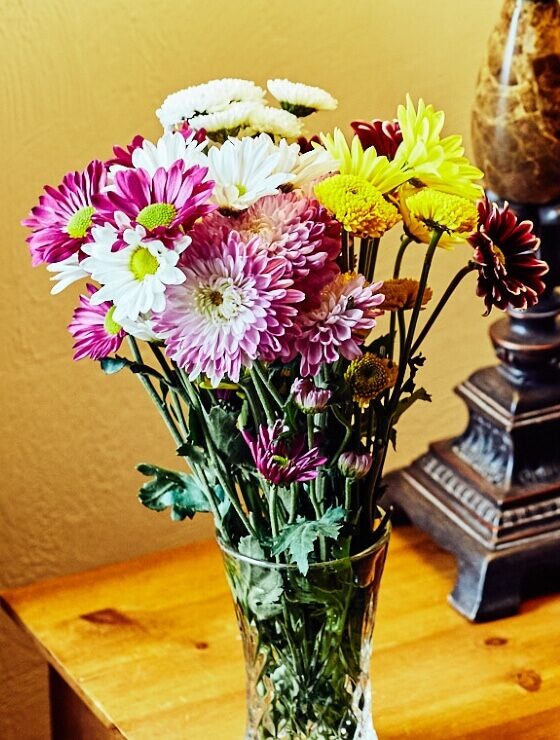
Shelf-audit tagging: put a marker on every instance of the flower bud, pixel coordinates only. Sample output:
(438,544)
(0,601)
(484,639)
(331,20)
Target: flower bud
(354,465)
(308,397)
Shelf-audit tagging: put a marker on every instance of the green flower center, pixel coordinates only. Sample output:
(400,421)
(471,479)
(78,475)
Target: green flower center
(142,263)
(110,325)
(281,460)
(156,214)
(80,222)
(241,189)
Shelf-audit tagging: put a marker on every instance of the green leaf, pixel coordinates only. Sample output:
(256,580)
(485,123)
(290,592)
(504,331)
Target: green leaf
(193,453)
(420,394)
(259,587)
(299,539)
(112,365)
(171,489)
(225,434)
(380,345)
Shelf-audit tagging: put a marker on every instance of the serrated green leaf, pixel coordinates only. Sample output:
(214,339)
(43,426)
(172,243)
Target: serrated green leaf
(420,394)
(173,490)
(193,453)
(112,365)
(299,539)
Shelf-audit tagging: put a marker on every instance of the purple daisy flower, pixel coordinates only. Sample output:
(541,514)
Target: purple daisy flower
(122,156)
(344,318)
(162,203)
(355,465)
(96,333)
(62,221)
(281,462)
(234,306)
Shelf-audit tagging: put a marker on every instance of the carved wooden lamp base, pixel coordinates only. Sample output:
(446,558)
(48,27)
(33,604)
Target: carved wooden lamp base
(502,525)
(492,496)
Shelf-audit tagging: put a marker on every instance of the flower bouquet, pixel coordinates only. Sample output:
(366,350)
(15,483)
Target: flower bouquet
(238,260)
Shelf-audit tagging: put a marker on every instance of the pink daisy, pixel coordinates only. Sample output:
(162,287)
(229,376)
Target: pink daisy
(344,318)
(62,221)
(162,203)
(293,227)
(235,305)
(96,333)
(123,157)
(281,462)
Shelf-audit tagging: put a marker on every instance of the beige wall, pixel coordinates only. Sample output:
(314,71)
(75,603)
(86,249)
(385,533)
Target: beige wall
(80,75)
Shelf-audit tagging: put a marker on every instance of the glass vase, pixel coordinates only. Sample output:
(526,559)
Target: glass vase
(307,641)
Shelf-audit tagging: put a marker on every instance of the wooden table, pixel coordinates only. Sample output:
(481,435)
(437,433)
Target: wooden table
(148,650)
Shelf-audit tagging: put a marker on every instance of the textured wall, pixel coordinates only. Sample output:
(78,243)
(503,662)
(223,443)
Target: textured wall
(76,78)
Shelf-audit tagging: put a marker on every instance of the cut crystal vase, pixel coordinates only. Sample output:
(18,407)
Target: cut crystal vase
(307,641)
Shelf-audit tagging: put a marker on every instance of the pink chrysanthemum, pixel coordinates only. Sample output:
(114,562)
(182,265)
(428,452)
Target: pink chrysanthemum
(122,156)
(161,203)
(96,333)
(344,318)
(383,136)
(235,306)
(199,135)
(308,397)
(281,462)
(62,221)
(293,227)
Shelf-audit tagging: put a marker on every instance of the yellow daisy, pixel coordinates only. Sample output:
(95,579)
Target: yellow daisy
(369,376)
(357,204)
(425,209)
(354,160)
(437,162)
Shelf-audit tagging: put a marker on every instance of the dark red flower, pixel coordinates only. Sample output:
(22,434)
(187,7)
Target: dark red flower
(384,136)
(509,273)
(306,145)
(123,157)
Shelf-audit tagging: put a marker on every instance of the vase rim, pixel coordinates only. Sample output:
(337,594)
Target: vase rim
(377,545)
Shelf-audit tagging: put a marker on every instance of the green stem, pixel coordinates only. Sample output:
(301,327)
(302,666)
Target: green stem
(261,393)
(265,379)
(441,304)
(405,241)
(402,333)
(154,395)
(347,434)
(372,259)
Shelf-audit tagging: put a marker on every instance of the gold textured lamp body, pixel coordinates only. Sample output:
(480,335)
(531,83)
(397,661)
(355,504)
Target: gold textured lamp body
(492,495)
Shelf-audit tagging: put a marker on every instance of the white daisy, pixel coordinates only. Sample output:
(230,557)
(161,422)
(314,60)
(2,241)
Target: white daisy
(228,122)
(311,166)
(67,271)
(171,147)
(142,328)
(275,121)
(244,170)
(210,97)
(300,99)
(134,278)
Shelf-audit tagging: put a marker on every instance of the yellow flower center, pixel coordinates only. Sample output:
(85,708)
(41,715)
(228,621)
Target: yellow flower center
(110,325)
(499,254)
(80,222)
(156,214)
(142,263)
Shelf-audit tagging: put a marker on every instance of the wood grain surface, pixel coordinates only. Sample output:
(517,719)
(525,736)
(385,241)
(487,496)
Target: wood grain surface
(152,649)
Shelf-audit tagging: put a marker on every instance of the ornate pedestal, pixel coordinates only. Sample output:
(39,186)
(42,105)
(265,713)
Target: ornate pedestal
(492,496)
